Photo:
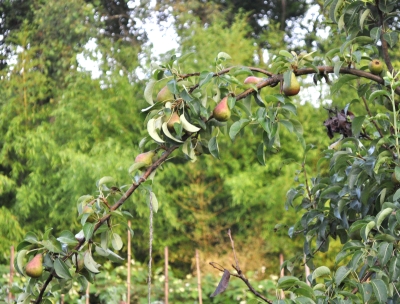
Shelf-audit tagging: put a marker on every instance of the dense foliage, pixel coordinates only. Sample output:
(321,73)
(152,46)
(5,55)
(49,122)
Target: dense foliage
(62,130)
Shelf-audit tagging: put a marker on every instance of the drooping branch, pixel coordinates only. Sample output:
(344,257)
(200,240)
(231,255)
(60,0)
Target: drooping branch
(114,207)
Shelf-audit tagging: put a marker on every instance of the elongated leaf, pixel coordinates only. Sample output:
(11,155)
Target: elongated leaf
(62,269)
(116,241)
(356,125)
(223,284)
(236,127)
(90,264)
(341,274)
(67,237)
(213,147)
(320,272)
(88,229)
(154,201)
(385,252)
(148,91)
(380,290)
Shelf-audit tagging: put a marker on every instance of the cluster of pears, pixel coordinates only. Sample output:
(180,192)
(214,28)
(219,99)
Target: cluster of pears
(34,268)
(291,89)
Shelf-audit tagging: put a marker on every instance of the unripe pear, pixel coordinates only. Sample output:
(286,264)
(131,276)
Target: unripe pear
(221,111)
(146,158)
(293,88)
(375,66)
(165,95)
(173,120)
(89,209)
(253,80)
(34,268)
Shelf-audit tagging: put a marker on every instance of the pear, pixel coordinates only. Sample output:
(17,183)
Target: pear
(165,95)
(146,158)
(34,268)
(293,88)
(375,66)
(173,120)
(253,80)
(89,209)
(221,111)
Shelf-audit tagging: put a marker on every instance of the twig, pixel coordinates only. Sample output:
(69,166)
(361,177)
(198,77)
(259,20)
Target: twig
(198,277)
(370,115)
(234,253)
(150,247)
(240,274)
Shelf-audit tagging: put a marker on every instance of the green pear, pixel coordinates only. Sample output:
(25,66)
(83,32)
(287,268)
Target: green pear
(89,209)
(165,95)
(375,66)
(146,158)
(34,268)
(173,120)
(293,88)
(253,80)
(221,111)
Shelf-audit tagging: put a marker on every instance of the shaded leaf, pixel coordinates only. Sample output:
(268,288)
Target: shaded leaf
(223,284)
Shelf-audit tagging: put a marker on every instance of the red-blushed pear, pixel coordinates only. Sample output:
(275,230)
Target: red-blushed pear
(293,88)
(165,95)
(221,111)
(173,120)
(253,80)
(146,158)
(34,268)
(375,66)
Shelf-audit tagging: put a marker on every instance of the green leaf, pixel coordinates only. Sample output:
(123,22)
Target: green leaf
(88,229)
(67,237)
(52,245)
(382,215)
(236,127)
(320,272)
(148,91)
(356,125)
(62,269)
(223,55)
(385,252)
(231,102)
(154,201)
(104,180)
(380,290)
(261,154)
(392,38)
(116,241)
(285,54)
(89,263)
(341,274)
(31,237)
(364,16)
(213,147)
(364,232)
(19,261)
(205,78)
(377,94)
(287,282)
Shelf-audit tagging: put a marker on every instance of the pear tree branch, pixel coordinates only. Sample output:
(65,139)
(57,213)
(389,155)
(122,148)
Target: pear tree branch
(114,207)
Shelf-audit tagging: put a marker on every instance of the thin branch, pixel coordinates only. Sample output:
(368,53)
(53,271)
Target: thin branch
(234,253)
(150,247)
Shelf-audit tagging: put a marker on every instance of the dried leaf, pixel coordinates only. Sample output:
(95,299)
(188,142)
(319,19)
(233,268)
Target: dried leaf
(223,284)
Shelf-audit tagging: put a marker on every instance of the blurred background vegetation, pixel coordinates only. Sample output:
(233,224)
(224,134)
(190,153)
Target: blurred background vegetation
(62,129)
